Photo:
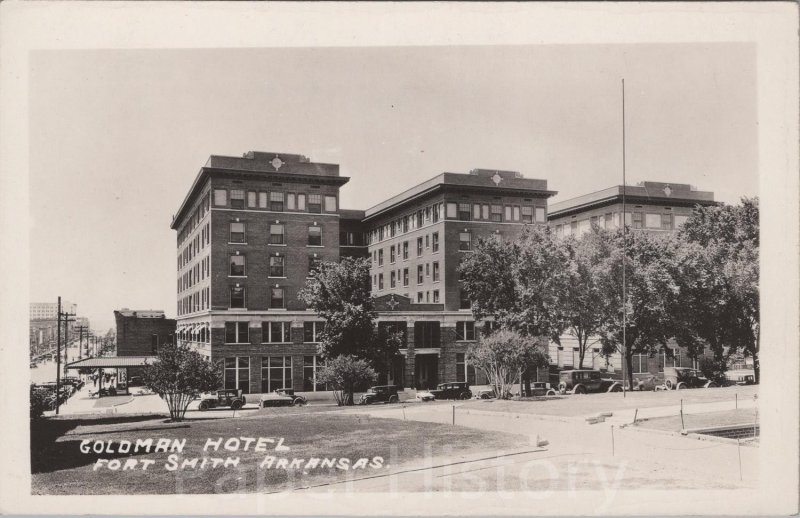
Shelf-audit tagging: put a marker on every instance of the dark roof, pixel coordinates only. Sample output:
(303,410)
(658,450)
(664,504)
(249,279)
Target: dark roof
(141,313)
(351,214)
(108,362)
(483,180)
(644,192)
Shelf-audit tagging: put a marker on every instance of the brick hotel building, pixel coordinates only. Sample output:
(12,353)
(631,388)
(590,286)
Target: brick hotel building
(251,228)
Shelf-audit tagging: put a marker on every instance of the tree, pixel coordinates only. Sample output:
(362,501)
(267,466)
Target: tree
(521,283)
(650,286)
(721,295)
(340,294)
(179,375)
(344,373)
(503,356)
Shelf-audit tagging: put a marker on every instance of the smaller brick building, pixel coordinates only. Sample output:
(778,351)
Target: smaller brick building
(141,332)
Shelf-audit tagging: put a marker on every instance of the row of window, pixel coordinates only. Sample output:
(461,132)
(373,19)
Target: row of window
(276,373)
(194,275)
(636,220)
(277,265)
(408,223)
(273,332)
(396,276)
(199,243)
(497,213)
(277,234)
(275,201)
(194,220)
(429,241)
(197,301)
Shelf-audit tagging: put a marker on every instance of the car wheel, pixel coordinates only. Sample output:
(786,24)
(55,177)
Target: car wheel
(669,384)
(616,388)
(236,405)
(681,386)
(203,406)
(464,396)
(299,402)
(711,384)
(551,392)
(580,389)
(393,399)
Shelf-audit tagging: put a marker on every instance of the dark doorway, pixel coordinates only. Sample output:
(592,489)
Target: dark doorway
(426,371)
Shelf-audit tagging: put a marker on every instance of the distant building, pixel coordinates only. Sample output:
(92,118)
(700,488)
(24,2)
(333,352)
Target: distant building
(49,310)
(141,332)
(651,206)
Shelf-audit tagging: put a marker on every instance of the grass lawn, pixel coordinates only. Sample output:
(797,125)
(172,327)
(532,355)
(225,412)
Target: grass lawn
(59,467)
(744,416)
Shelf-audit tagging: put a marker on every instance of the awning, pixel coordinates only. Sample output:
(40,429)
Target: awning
(110,362)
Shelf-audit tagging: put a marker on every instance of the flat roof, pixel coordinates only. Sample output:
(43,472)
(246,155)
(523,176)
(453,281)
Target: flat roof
(109,362)
(657,192)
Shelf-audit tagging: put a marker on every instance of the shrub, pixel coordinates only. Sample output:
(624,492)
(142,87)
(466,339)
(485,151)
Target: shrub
(714,369)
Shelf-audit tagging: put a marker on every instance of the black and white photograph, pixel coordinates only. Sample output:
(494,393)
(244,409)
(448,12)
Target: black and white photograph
(421,259)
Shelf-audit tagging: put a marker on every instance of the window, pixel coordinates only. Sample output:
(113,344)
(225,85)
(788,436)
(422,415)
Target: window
(251,199)
(276,298)
(427,334)
(680,220)
(476,212)
(672,358)
(276,233)
(463,300)
(314,236)
(220,197)
(405,276)
(276,373)
(419,247)
(310,366)
(312,331)
(666,221)
(380,281)
(639,362)
(465,331)
(652,220)
(420,274)
(516,213)
(464,241)
(276,266)
(237,333)
(584,226)
(237,297)
(290,201)
(637,220)
(452,210)
(237,265)
(484,212)
(405,250)
(276,332)
(435,296)
(330,203)
(313,264)
(314,203)
(380,257)
(392,255)
(427,269)
(153,344)
(497,213)
(435,242)
(262,200)
(419,298)
(508,212)
(427,241)
(490,327)
(237,199)
(237,233)
(301,202)
(540,215)
(464,211)
(527,214)
(436,272)
(461,367)
(237,373)
(393,279)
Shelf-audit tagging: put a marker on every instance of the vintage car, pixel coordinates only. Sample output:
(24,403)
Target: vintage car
(77,383)
(425,395)
(647,383)
(232,398)
(454,390)
(740,377)
(586,381)
(484,394)
(298,399)
(683,378)
(540,388)
(380,394)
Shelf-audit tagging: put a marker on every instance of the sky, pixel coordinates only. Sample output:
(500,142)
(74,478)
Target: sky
(118,136)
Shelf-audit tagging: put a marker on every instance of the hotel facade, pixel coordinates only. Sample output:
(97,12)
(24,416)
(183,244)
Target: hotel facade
(251,229)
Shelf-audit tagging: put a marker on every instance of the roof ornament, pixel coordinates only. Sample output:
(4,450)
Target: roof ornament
(667,190)
(497,178)
(277,162)
(392,303)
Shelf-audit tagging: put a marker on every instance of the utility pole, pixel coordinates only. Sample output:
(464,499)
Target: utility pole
(66,321)
(58,358)
(81,329)
(624,252)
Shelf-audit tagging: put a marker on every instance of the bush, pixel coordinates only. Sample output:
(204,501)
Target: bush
(714,369)
(344,373)
(40,401)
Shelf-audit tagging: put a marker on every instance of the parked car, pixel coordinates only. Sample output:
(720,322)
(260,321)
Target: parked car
(298,399)
(683,378)
(232,398)
(454,390)
(648,383)
(135,381)
(77,383)
(540,388)
(277,398)
(586,381)
(485,394)
(380,394)
(740,377)
(424,395)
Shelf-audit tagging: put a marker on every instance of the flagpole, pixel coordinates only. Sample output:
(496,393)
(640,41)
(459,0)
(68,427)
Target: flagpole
(624,251)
